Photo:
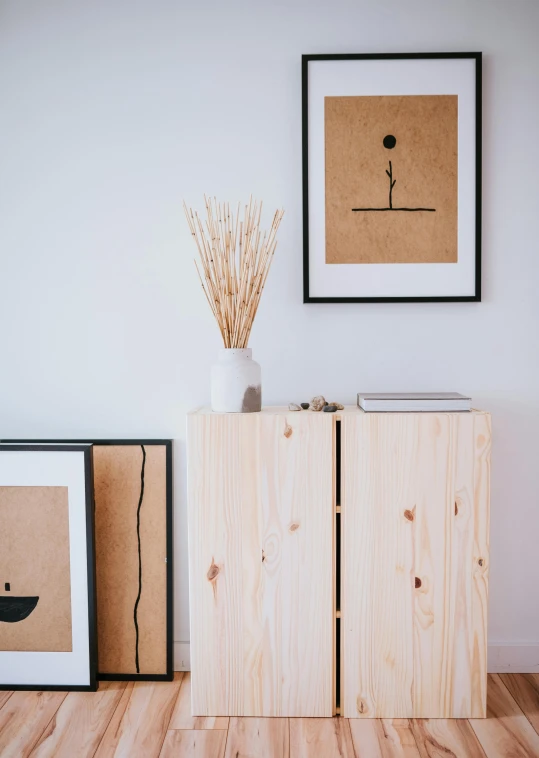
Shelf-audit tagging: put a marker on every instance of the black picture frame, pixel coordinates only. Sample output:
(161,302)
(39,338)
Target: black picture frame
(86,449)
(476,297)
(169,675)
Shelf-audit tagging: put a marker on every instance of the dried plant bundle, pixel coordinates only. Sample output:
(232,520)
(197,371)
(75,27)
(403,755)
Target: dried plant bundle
(235,257)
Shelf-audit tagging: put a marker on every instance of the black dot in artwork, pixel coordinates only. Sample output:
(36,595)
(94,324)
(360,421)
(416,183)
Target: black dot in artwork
(390,141)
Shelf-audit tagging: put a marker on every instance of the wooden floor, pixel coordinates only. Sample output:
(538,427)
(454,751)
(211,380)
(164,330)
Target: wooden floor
(151,720)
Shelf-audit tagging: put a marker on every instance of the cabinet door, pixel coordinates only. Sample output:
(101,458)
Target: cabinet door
(415,519)
(261,564)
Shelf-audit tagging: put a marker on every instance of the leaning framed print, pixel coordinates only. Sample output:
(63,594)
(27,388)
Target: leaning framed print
(391,177)
(132,481)
(133,522)
(48,631)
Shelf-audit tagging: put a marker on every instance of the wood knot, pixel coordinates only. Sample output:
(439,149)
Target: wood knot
(390,660)
(287,431)
(213,571)
(263,556)
(417,582)
(293,527)
(481,562)
(409,515)
(361,706)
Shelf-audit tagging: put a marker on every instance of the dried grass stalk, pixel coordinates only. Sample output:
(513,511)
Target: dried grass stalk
(235,257)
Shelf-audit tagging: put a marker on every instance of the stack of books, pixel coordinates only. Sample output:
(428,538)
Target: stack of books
(396,402)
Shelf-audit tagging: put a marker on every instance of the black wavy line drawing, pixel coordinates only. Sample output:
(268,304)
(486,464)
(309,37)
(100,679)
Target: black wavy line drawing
(135,612)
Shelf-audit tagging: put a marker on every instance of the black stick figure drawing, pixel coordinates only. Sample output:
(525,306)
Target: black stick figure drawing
(389,143)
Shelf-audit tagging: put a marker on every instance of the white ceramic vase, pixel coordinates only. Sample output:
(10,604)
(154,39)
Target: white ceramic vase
(236,382)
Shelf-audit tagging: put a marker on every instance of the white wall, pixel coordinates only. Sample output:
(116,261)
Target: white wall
(112,111)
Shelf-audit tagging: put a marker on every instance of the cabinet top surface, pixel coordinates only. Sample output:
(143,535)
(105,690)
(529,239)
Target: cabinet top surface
(283,410)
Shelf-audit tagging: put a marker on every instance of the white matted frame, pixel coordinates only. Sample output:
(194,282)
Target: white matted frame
(59,466)
(392,74)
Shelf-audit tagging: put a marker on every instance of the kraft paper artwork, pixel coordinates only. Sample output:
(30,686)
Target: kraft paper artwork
(391,179)
(35,584)
(130,489)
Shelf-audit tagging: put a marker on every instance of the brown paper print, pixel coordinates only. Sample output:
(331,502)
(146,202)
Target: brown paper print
(35,582)
(131,573)
(391,179)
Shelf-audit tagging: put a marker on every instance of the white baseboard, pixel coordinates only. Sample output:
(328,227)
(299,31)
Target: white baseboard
(516,659)
(182,656)
(501,659)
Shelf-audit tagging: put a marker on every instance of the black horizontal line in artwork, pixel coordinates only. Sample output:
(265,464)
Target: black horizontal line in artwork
(409,210)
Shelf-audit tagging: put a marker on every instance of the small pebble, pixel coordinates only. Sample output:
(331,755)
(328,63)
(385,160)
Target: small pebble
(317,403)
(329,408)
(338,406)
(293,407)
(305,406)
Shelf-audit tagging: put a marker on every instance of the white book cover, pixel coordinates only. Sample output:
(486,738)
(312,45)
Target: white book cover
(413,401)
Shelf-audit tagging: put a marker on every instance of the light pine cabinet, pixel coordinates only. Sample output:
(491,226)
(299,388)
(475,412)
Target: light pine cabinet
(349,540)
(415,562)
(261,558)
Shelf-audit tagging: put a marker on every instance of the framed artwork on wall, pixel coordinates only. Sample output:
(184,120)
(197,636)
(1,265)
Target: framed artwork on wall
(132,481)
(391,177)
(48,632)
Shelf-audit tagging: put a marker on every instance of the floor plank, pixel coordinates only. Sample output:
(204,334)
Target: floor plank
(263,738)
(525,689)
(112,734)
(194,743)
(506,731)
(446,738)
(23,719)
(313,738)
(383,738)
(151,719)
(140,727)
(181,717)
(80,723)
(4,697)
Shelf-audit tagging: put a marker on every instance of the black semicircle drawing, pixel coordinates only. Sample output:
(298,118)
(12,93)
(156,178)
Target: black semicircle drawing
(13,609)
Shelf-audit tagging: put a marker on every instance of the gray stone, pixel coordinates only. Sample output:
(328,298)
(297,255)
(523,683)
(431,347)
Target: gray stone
(305,406)
(329,408)
(317,403)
